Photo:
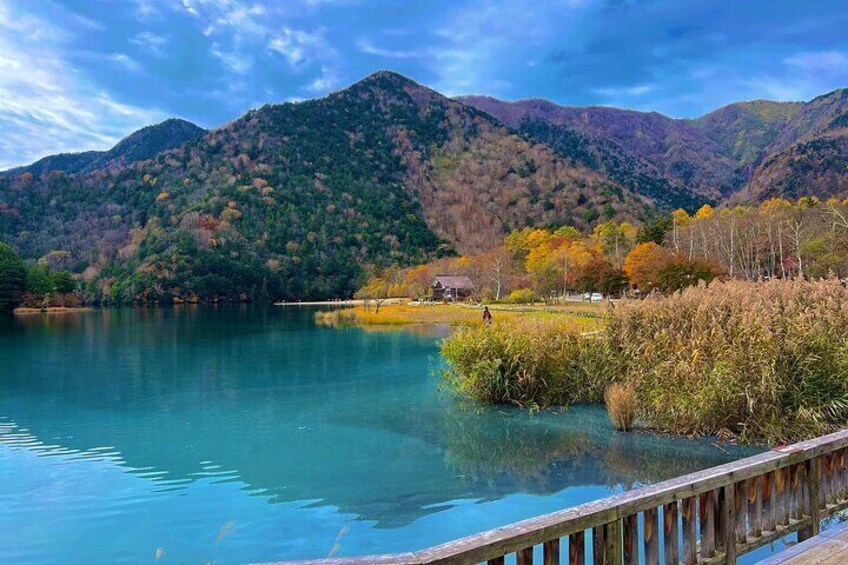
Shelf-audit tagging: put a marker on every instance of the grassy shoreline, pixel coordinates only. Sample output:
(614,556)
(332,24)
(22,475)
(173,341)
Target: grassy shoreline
(580,316)
(765,362)
(25,310)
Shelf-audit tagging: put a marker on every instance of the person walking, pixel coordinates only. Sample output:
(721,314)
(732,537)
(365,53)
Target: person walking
(487,316)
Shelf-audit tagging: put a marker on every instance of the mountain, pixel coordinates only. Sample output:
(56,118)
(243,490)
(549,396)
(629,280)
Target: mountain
(665,148)
(543,121)
(744,151)
(294,200)
(746,130)
(142,144)
(809,155)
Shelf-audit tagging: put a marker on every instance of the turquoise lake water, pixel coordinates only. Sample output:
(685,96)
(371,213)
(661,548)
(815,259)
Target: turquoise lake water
(245,434)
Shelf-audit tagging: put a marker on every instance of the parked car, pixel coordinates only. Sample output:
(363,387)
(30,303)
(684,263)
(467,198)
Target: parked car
(587,296)
(596,297)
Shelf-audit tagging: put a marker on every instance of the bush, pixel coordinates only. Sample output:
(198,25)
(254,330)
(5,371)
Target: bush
(520,296)
(621,405)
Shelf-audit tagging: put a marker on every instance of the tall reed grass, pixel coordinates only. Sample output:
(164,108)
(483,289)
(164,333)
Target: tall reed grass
(765,361)
(620,399)
(530,363)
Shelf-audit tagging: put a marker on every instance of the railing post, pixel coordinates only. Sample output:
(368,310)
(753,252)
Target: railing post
(741,508)
(687,509)
(615,543)
(707,516)
(599,545)
(652,537)
(768,522)
(670,533)
(551,552)
(728,523)
(576,548)
(781,499)
(631,540)
(755,506)
(796,497)
(812,496)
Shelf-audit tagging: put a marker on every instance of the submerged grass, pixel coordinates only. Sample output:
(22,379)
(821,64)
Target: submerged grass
(764,361)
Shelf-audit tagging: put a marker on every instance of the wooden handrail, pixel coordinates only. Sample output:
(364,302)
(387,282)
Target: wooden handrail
(724,511)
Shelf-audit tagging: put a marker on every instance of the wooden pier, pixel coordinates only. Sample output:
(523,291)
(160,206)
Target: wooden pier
(709,517)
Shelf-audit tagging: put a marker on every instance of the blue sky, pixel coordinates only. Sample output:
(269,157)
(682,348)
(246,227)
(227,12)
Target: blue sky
(81,74)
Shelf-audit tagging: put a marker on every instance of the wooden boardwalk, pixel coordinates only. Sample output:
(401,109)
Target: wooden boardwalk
(830,547)
(718,514)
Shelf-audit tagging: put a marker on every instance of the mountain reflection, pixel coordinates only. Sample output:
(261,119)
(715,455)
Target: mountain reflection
(342,418)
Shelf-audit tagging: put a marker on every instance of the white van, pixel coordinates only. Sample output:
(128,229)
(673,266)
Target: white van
(597,297)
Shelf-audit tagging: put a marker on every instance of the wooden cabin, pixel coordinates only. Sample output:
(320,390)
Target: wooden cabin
(452,287)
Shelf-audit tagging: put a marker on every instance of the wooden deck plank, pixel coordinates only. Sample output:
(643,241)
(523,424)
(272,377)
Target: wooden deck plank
(827,548)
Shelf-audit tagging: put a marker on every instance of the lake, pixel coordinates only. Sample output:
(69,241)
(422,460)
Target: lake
(245,433)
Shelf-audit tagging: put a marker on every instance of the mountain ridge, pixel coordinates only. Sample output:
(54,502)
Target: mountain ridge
(141,144)
(746,150)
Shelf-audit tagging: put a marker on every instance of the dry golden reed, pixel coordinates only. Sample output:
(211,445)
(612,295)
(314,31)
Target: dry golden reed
(620,399)
(766,361)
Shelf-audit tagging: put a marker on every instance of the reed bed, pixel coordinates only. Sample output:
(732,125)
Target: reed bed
(763,361)
(532,363)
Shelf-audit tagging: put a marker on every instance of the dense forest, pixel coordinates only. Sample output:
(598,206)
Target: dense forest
(777,239)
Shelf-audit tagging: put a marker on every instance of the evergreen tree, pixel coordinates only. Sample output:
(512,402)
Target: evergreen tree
(12,277)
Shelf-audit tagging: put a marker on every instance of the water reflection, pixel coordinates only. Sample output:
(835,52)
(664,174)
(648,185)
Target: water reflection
(198,400)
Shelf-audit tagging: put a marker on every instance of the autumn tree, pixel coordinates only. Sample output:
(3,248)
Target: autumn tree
(599,275)
(643,263)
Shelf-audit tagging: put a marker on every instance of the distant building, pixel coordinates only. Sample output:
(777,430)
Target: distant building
(452,287)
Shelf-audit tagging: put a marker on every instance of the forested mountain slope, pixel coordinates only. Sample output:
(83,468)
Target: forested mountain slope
(748,150)
(294,200)
(142,144)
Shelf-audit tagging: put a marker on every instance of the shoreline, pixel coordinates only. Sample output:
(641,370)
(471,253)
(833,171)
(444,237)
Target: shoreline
(350,302)
(26,310)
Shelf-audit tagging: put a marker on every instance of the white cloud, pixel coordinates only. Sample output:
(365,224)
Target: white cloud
(146,10)
(624,91)
(150,42)
(235,61)
(301,47)
(47,106)
(365,46)
(832,62)
(326,81)
(125,61)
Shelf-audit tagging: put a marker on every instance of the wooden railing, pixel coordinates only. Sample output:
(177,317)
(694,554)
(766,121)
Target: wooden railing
(711,516)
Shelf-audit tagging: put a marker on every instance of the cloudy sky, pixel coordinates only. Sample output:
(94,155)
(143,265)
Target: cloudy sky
(81,74)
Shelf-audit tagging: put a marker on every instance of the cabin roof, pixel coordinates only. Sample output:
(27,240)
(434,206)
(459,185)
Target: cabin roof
(454,281)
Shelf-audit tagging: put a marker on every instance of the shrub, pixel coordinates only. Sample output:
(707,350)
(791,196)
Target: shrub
(621,405)
(520,296)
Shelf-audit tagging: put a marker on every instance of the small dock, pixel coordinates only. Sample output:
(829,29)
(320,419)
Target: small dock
(830,547)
